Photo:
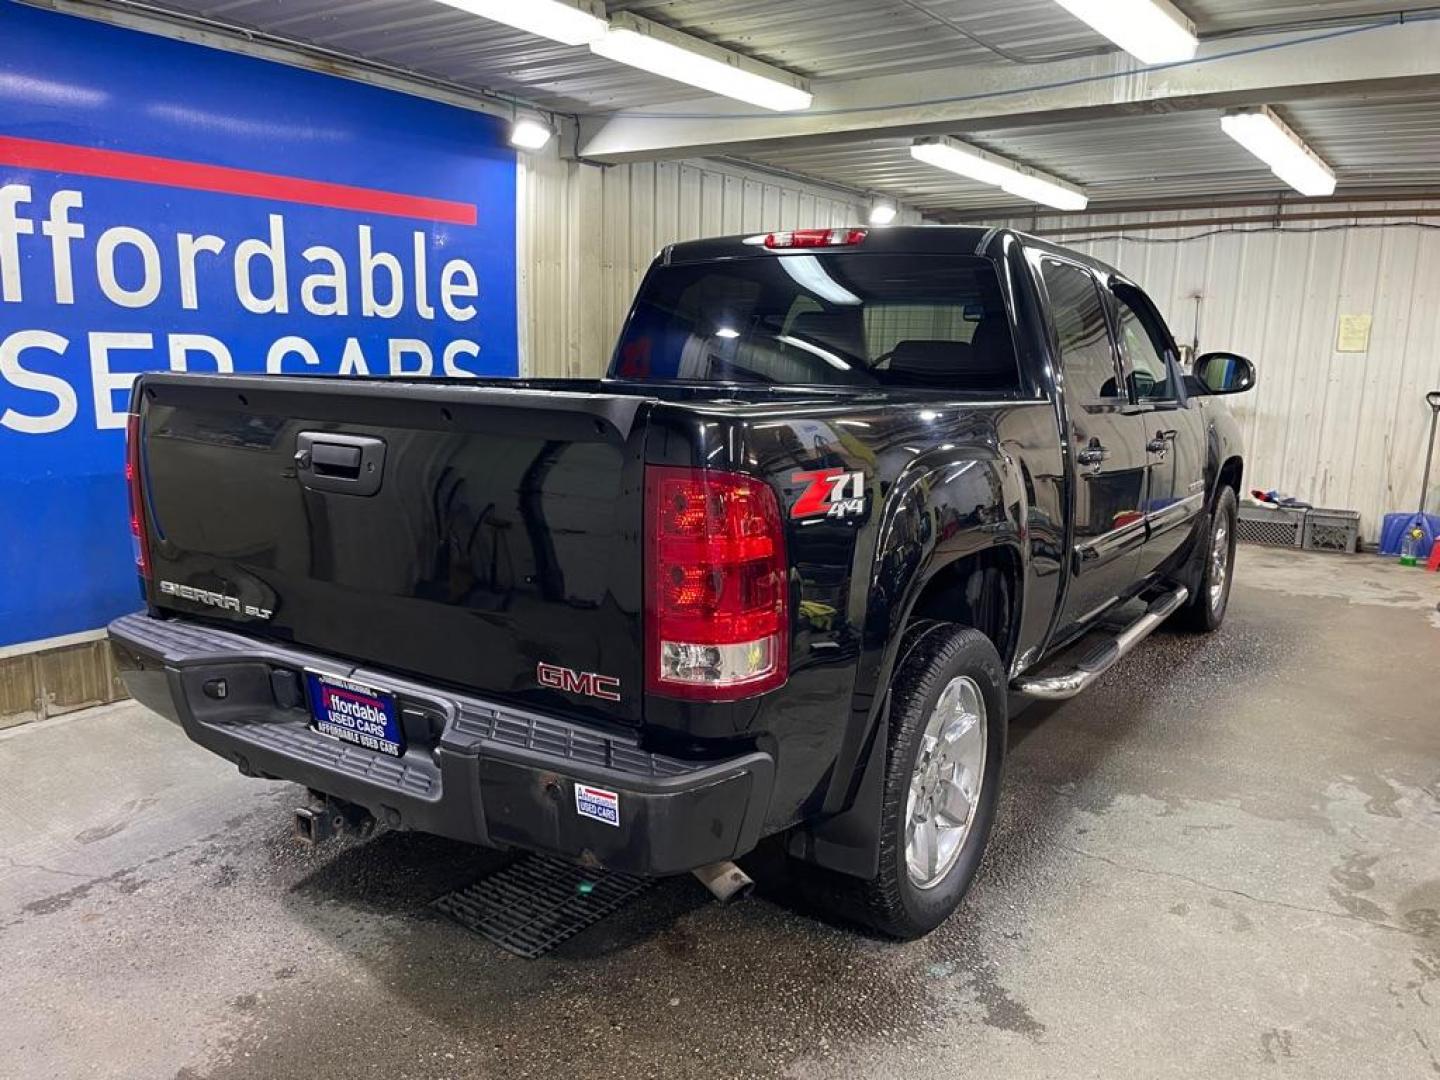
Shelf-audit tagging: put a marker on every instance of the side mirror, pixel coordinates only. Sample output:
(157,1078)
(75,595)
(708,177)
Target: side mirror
(1224,373)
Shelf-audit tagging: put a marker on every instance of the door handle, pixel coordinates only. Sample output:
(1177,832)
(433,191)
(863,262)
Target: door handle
(1092,456)
(1161,442)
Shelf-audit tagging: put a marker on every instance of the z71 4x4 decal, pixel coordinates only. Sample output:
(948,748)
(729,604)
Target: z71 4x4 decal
(832,493)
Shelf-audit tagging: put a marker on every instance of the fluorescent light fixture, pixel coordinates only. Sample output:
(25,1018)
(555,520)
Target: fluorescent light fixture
(662,51)
(1270,139)
(882,212)
(570,22)
(528,133)
(1046,192)
(727,332)
(806,271)
(1152,31)
(960,158)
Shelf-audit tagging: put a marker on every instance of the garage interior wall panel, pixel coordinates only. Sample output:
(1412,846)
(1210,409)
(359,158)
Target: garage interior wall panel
(1337,429)
(588,233)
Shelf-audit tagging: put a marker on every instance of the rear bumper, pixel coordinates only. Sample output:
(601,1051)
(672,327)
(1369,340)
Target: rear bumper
(473,770)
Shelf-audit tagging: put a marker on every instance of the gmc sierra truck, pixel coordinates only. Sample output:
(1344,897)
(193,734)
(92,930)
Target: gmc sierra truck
(845,498)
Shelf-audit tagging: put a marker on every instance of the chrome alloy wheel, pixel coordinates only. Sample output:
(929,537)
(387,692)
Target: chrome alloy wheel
(945,786)
(1219,562)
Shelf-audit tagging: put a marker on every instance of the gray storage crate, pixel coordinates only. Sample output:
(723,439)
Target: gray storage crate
(1275,527)
(1332,530)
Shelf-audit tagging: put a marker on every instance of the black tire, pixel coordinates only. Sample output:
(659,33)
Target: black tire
(892,903)
(1205,612)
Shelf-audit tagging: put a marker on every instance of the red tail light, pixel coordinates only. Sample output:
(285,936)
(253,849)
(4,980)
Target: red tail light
(717,599)
(137,503)
(815,238)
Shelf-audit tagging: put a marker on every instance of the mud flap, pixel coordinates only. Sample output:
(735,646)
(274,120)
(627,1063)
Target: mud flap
(849,842)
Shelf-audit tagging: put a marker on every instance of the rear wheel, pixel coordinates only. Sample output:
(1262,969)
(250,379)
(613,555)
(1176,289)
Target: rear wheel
(1206,610)
(942,780)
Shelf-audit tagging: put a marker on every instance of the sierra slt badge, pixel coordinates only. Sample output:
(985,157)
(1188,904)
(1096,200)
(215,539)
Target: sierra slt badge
(831,493)
(605,687)
(214,599)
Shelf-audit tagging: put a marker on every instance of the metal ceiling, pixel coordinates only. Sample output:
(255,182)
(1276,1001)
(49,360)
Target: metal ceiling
(1148,158)
(823,39)
(1130,159)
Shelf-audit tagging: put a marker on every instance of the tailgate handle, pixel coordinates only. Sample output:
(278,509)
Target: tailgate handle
(348,464)
(327,459)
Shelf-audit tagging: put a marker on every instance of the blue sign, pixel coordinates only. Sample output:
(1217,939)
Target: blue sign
(171,206)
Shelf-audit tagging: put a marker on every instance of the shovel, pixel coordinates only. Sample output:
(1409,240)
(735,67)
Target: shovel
(1397,526)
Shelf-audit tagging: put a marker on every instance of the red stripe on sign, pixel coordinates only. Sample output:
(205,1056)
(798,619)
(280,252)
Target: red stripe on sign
(170,172)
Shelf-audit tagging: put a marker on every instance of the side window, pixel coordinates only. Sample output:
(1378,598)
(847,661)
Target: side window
(1143,347)
(1086,352)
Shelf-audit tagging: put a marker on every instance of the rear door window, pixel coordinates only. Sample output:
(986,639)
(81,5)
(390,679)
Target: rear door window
(1087,354)
(843,319)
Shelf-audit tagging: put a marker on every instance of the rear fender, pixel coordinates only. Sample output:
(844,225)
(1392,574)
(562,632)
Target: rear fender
(939,513)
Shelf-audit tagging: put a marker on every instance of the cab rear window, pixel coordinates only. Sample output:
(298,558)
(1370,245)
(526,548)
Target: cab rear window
(842,319)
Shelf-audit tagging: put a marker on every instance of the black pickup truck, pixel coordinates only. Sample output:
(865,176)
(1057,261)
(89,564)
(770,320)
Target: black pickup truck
(844,500)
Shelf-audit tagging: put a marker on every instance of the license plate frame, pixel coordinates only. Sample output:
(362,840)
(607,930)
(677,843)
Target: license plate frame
(355,713)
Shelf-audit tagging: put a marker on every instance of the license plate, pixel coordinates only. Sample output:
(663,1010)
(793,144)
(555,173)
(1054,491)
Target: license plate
(355,714)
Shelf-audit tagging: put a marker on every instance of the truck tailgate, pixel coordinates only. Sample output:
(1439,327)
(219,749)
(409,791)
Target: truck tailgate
(480,535)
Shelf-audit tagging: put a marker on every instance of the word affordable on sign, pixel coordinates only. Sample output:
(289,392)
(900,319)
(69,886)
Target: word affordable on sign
(170,206)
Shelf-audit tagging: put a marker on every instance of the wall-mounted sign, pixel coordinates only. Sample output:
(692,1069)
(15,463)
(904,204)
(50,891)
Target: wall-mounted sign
(165,205)
(1353,334)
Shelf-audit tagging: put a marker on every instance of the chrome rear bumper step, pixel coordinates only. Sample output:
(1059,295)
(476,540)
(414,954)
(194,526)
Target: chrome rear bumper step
(1056,685)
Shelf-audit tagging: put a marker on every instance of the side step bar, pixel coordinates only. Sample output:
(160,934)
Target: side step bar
(1069,682)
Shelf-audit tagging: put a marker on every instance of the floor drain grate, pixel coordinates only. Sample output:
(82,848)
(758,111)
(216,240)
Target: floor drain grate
(536,902)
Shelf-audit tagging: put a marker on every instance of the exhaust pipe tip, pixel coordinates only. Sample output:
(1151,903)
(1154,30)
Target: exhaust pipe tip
(726,881)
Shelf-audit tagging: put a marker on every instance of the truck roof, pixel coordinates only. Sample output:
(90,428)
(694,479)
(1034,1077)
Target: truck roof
(897,239)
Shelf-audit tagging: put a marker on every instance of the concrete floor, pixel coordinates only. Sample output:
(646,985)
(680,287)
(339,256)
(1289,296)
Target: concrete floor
(1223,862)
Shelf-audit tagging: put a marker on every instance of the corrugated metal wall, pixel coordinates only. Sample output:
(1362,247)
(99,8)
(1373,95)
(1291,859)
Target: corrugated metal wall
(587,234)
(1337,429)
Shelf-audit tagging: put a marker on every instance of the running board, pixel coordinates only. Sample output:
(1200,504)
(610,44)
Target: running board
(1073,680)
